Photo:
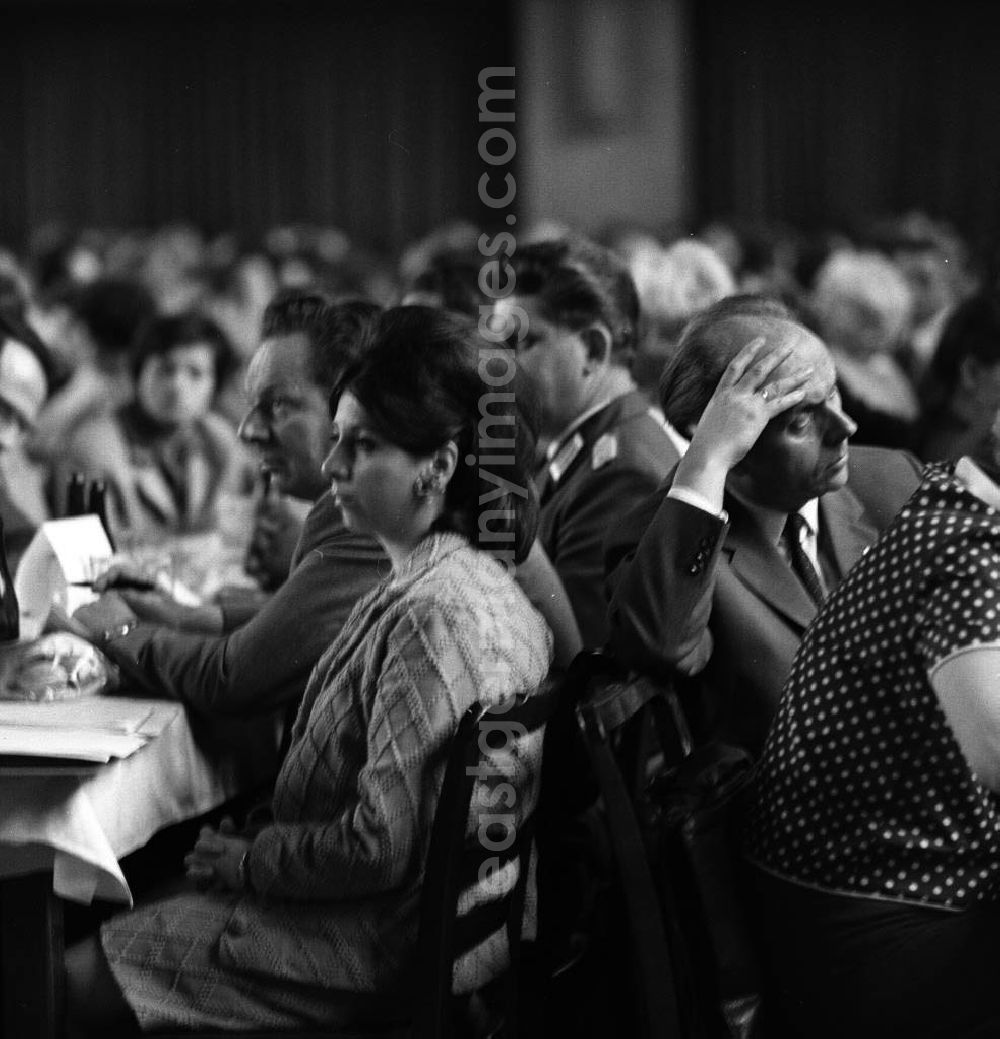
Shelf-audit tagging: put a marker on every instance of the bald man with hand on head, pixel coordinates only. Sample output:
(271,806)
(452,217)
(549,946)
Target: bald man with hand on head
(721,570)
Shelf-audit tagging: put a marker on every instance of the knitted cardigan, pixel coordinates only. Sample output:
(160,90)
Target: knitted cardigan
(337,875)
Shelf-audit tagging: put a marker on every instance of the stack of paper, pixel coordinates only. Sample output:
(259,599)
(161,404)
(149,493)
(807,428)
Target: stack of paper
(90,729)
(72,744)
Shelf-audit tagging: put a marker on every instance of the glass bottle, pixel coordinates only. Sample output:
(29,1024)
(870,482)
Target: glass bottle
(10,621)
(76,495)
(97,502)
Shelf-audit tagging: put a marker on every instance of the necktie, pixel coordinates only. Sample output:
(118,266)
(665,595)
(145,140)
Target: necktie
(801,563)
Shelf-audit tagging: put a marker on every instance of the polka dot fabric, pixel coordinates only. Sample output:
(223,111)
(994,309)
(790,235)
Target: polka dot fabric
(862,787)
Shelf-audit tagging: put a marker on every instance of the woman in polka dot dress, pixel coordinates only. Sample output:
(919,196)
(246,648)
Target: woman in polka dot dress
(875,827)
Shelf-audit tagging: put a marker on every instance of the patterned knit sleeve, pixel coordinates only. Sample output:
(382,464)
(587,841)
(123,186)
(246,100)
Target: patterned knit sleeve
(436,664)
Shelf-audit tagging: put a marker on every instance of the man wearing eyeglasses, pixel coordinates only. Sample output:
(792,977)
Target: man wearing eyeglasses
(238,659)
(25,378)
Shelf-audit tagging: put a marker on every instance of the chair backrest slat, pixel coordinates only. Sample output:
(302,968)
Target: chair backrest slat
(456,862)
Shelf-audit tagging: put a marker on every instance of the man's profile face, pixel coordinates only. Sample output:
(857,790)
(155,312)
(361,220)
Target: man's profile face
(802,452)
(288,423)
(552,358)
(23,388)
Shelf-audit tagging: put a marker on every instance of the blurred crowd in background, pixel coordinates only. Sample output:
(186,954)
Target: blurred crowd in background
(905,308)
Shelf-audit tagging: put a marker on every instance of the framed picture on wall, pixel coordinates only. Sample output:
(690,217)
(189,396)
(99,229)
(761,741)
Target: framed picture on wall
(603,57)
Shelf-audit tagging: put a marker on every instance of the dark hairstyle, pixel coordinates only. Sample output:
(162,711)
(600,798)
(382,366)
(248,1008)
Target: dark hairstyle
(452,278)
(165,333)
(577,282)
(114,310)
(14,326)
(710,340)
(12,296)
(972,330)
(337,333)
(422,384)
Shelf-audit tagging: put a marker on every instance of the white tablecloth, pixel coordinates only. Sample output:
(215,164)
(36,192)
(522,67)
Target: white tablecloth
(80,825)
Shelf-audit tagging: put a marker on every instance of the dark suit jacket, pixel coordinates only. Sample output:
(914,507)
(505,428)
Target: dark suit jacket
(624,456)
(691,595)
(265,663)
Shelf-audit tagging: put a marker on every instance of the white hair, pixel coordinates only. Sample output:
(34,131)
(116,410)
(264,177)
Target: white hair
(681,280)
(862,277)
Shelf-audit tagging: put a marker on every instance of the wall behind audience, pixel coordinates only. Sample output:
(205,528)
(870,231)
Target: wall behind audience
(664,113)
(243,115)
(605,123)
(820,113)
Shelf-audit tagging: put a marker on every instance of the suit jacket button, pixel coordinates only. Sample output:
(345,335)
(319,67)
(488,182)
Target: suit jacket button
(694,568)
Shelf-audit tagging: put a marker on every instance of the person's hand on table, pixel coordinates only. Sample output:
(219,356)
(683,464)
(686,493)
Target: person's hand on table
(277,526)
(107,613)
(150,602)
(216,858)
(124,575)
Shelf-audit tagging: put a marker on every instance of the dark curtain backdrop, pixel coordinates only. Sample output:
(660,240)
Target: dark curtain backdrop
(822,113)
(243,115)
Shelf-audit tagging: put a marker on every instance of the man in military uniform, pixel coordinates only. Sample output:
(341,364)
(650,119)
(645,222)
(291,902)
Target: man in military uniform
(573,319)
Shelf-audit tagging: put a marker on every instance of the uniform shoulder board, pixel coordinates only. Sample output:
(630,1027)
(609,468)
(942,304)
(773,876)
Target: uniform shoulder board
(565,457)
(605,450)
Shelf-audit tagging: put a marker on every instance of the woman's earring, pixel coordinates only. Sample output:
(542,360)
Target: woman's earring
(430,481)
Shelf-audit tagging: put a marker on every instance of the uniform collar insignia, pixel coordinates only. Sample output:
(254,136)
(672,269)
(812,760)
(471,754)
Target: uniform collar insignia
(565,457)
(605,450)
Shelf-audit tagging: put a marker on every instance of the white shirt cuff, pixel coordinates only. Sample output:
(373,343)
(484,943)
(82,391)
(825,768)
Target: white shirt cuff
(697,501)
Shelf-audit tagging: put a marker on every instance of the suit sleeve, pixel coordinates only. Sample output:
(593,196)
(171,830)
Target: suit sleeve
(265,663)
(578,549)
(662,568)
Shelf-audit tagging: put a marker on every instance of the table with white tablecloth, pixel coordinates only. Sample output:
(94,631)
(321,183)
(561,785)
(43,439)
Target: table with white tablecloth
(65,825)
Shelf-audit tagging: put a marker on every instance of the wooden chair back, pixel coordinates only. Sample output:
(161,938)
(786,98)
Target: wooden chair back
(455,862)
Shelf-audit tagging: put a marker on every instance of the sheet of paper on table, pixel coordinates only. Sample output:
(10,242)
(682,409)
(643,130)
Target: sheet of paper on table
(63,551)
(73,744)
(107,713)
(93,728)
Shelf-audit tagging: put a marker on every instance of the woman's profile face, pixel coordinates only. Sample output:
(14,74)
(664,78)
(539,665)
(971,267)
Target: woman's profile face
(177,387)
(373,479)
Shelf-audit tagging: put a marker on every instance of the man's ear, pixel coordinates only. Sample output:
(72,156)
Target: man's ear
(968,373)
(972,373)
(596,338)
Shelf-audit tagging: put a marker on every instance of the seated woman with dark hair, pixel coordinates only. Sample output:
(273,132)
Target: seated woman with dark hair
(876,823)
(311,919)
(961,388)
(165,455)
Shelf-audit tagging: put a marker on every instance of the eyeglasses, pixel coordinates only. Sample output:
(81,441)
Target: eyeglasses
(12,423)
